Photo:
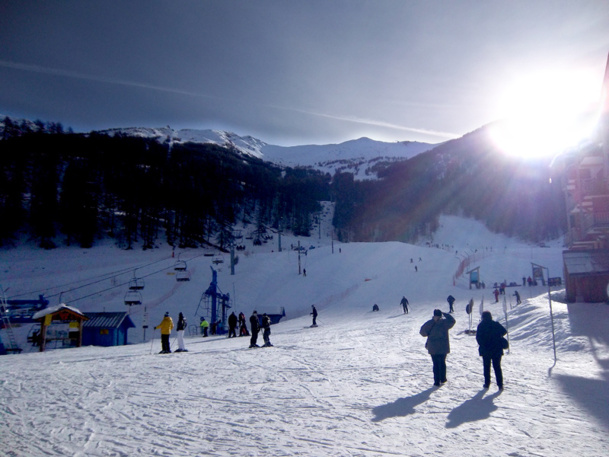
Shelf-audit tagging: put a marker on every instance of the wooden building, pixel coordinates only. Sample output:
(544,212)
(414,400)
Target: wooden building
(106,329)
(60,324)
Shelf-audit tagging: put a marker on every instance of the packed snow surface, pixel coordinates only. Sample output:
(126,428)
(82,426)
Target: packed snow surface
(360,384)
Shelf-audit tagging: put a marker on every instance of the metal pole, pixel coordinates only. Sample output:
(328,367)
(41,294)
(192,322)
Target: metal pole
(232,259)
(507,327)
(551,316)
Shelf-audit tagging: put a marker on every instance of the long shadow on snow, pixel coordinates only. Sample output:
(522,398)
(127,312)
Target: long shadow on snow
(477,408)
(401,407)
(591,394)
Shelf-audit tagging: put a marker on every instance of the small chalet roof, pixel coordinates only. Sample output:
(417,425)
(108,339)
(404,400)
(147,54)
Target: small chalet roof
(55,309)
(586,262)
(108,320)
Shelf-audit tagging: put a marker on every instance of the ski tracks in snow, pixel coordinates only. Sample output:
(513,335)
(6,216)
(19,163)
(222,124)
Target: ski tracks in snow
(352,388)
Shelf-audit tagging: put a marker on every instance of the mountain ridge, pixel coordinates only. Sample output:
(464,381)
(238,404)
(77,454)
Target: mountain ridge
(357,156)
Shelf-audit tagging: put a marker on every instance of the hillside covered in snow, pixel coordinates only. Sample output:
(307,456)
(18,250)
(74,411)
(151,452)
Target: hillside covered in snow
(359,384)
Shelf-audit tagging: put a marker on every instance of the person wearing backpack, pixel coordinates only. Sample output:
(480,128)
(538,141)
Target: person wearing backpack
(266,325)
(489,336)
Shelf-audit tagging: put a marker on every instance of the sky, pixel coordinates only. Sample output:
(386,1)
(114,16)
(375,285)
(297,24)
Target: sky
(360,384)
(293,72)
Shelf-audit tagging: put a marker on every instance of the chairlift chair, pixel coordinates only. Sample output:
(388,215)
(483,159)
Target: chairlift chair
(133,297)
(182,275)
(136,284)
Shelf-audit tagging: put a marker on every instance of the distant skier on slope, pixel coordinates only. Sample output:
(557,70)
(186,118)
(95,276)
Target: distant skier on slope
(404,304)
(243,326)
(232,325)
(204,327)
(450,299)
(255,325)
(166,326)
(266,325)
(314,314)
(180,329)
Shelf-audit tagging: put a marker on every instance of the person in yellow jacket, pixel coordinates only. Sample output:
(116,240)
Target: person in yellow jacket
(166,326)
(204,327)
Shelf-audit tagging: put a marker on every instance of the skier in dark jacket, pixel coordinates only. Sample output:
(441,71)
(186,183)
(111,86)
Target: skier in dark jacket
(404,304)
(450,299)
(180,328)
(438,344)
(488,336)
(266,325)
(242,326)
(314,314)
(232,325)
(255,325)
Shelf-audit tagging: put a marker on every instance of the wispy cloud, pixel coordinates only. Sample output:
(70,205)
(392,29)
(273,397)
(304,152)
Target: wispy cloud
(101,79)
(376,123)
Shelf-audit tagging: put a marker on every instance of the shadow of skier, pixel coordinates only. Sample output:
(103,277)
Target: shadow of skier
(401,407)
(477,408)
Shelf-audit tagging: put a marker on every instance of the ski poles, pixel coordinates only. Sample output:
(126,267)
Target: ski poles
(152,340)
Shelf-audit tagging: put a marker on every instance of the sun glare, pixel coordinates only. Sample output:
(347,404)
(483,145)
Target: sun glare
(547,113)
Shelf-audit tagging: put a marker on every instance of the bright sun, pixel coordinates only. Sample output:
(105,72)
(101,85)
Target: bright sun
(547,113)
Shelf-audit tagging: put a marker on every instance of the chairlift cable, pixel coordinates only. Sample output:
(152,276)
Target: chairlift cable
(118,285)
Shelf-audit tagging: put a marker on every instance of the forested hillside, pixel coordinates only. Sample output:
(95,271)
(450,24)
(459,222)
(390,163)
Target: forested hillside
(58,187)
(77,188)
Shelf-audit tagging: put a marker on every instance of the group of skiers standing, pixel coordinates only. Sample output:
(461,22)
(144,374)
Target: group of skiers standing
(489,335)
(166,327)
(490,338)
(256,324)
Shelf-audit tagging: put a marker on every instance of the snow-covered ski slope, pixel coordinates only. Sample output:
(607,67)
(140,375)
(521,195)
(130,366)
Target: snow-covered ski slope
(360,384)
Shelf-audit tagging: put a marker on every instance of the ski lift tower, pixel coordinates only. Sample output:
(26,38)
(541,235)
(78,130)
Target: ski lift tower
(219,302)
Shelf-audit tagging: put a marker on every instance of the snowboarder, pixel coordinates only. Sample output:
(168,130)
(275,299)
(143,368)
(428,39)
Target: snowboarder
(232,325)
(255,325)
(405,304)
(375,307)
(266,325)
(450,299)
(438,344)
(496,293)
(166,326)
(489,335)
(517,295)
(180,329)
(314,314)
(204,327)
